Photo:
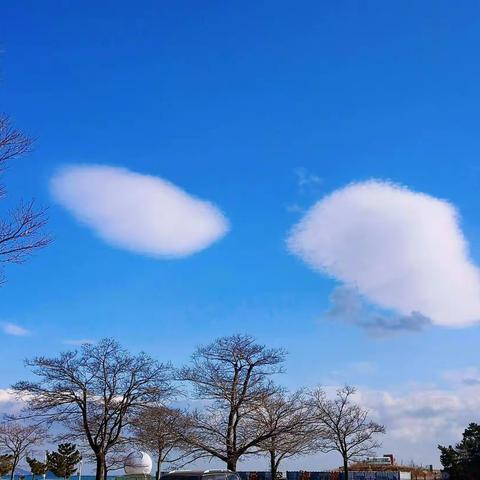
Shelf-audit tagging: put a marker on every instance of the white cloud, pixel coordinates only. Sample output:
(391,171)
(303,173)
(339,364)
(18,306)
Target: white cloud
(402,250)
(294,208)
(79,342)
(140,213)
(10,402)
(421,414)
(350,373)
(362,367)
(16,330)
(466,376)
(419,417)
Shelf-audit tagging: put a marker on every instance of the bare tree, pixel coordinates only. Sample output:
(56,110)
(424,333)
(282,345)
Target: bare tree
(95,392)
(17,439)
(114,458)
(294,428)
(161,431)
(22,229)
(345,426)
(233,375)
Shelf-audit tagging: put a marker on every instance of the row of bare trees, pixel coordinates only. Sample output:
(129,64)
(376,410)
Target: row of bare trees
(106,398)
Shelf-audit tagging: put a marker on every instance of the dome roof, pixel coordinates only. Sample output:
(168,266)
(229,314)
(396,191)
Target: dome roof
(138,463)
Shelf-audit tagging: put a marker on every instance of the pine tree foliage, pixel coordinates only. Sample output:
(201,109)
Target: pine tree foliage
(6,464)
(63,462)
(37,467)
(462,462)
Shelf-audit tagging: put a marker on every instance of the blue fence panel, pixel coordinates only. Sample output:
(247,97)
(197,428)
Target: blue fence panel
(312,476)
(320,476)
(255,475)
(341,476)
(293,475)
(371,476)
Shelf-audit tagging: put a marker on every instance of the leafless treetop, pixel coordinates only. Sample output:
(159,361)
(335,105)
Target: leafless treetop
(294,427)
(232,368)
(345,425)
(232,375)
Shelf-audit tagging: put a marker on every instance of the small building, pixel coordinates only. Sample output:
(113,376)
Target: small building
(387,459)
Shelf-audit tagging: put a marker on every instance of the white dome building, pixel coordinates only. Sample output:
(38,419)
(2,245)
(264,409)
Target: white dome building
(138,463)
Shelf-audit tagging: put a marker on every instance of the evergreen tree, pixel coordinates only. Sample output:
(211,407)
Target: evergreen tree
(63,462)
(6,464)
(462,462)
(37,467)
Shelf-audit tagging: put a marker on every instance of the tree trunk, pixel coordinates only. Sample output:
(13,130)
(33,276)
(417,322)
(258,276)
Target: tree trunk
(159,466)
(14,466)
(232,464)
(345,468)
(100,471)
(273,465)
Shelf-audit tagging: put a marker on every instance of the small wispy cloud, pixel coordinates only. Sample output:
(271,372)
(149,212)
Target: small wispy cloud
(294,208)
(79,342)
(14,329)
(350,373)
(307,180)
(307,183)
(467,376)
(362,367)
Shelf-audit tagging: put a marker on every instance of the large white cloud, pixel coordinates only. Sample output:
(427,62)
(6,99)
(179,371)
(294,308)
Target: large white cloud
(400,249)
(418,418)
(140,213)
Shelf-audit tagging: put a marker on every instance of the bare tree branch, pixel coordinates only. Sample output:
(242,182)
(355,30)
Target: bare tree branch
(233,376)
(344,425)
(13,142)
(162,431)
(22,230)
(294,428)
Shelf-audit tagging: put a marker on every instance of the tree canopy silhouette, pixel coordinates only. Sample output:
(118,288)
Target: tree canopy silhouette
(463,460)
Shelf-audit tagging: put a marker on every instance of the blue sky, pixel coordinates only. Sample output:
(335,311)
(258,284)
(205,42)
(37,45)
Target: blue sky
(236,103)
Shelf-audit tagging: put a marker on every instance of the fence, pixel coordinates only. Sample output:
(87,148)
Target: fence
(351,476)
(255,475)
